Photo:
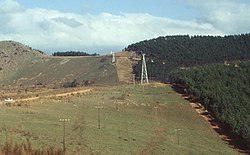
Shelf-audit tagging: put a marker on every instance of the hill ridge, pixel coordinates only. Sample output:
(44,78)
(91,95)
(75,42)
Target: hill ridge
(13,55)
(21,66)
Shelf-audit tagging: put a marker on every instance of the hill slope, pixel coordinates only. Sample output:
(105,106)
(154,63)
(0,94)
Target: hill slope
(124,63)
(143,122)
(22,66)
(13,56)
(167,53)
(58,71)
(224,90)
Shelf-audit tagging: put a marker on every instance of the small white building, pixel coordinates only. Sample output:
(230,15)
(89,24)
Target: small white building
(8,99)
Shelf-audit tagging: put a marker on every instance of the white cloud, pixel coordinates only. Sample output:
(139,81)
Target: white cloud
(54,30)
(10,6)
(229,16)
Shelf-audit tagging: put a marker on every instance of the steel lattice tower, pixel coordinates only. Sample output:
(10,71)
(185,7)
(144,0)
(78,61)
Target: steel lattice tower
(144,73)
(113,56)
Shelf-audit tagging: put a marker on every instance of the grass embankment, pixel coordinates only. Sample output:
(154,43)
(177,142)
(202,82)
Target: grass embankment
(133,121)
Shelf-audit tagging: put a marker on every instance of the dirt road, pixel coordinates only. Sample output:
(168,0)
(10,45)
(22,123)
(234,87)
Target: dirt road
(54,95)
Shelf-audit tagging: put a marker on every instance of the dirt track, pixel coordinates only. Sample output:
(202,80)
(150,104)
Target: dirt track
(124,69)
(158,135)
(54,95)
(223,133)
(151,146)
(200,110)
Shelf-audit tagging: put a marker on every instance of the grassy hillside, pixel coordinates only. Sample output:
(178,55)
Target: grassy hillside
(22,66)
(59,70)
(13,56)
(134,120)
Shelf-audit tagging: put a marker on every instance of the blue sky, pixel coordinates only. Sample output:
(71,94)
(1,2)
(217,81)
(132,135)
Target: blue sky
(162,8)
(104,25)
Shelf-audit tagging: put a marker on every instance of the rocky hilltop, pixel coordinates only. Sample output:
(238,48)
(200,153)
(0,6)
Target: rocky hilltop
(14,55)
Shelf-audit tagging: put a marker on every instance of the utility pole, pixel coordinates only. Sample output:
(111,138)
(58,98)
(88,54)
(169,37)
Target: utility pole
(156,110)
(99,119)
(64,120)
(144,73)
(133,79)
(117,105)
(177,134)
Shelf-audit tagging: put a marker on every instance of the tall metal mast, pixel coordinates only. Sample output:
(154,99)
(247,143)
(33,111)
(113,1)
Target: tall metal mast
(113,56)
(144,73)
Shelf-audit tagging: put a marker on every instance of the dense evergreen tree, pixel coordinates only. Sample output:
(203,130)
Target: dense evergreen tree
(197,63)
(73,53)
(223,89)
(167,53)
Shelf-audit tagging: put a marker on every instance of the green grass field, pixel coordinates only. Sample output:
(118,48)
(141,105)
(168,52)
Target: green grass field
(134,120)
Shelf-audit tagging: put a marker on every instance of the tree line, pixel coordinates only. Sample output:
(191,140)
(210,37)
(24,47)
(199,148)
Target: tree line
(164,54)
(222,89)
(73,53)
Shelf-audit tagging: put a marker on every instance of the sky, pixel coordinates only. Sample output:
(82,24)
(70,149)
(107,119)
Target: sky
(99,26)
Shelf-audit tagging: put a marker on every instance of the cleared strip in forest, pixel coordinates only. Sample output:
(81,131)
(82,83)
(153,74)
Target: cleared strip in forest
(124,69)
